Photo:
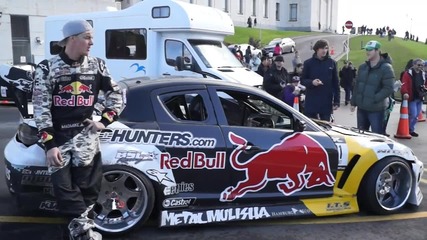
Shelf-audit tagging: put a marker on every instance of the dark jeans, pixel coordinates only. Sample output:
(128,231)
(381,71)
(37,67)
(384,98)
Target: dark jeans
(348,92)
(373,120)
(321,116)
(76,188)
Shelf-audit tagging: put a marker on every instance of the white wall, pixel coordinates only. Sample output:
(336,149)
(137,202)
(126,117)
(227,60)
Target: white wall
(37,10)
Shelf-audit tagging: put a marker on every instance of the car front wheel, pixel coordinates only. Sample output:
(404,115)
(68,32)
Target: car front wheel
(125,201)
(386,187)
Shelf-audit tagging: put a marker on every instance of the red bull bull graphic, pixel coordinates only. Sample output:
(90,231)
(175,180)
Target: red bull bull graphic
(297,162)
(75,88)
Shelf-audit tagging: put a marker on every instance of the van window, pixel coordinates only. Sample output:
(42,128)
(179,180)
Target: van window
(126,44)
(176,49)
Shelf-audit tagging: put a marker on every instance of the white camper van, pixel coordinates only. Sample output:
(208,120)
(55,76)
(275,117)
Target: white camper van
(156,38)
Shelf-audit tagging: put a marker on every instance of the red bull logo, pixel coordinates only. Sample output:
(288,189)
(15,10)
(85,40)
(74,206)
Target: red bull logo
(75,88)
(297,162)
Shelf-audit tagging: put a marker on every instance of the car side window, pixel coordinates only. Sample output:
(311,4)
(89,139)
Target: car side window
(241,109)
(185,106)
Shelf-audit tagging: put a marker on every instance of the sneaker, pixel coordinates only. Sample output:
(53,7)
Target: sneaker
(81,229)
(414,134)
(88,235)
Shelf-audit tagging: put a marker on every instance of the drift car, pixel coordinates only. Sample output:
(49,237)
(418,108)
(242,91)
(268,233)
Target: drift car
(195,151)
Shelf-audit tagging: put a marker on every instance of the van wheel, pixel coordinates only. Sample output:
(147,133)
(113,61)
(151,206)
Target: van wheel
(125,201)
(386,187)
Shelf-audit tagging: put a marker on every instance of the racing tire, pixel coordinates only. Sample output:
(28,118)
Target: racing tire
(386,187)
(292,49)
(125,201)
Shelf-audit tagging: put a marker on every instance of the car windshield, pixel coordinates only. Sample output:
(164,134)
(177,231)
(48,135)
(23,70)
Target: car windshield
(274,42)
(215,54)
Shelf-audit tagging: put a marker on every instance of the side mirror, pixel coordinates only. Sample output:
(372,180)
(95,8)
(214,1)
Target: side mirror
(299,125)
(184,63)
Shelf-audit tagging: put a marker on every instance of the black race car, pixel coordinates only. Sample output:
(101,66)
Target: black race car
(197,151)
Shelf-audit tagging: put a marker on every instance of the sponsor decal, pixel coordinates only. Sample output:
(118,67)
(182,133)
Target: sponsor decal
(291,213)
(45,136)
(218,215)
(109,115)
(305,164)
(178,202)
(394,151)
(138,67)
(72,125)
(75,88)
(179,188)
(338,206)
(193,160)
(48,205)
(126,157)
(36,180)
(42,172)
(158,138)
(73,101)
(160,176)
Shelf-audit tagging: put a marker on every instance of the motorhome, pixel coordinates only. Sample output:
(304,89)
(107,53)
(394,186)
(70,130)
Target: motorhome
(156,38)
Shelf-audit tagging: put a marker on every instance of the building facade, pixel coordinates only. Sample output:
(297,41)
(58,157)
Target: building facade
(22,25)
(299,15)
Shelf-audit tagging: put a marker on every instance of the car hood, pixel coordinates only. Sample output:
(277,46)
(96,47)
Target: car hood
(357,141)
(242,75)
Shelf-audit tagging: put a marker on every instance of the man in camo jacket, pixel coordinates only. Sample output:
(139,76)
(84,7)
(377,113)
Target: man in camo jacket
(66,87)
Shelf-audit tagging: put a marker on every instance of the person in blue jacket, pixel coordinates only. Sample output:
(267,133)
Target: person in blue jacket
(320,76)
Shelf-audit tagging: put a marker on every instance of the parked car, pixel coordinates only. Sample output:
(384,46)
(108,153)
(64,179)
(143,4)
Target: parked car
(198,151)
(20,73)
(287,45)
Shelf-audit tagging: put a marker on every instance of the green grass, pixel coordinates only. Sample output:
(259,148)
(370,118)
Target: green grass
(399,50)
(242,35)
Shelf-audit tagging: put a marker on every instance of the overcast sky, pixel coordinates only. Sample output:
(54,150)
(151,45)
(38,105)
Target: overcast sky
(379,13)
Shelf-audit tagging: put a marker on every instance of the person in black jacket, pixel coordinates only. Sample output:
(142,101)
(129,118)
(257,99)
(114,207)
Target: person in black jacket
(276,77)
(347,75)
(264,66)
(320,76)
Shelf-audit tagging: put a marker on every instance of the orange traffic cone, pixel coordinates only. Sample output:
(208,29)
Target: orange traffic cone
(296,103)
(421,118)
(403,127)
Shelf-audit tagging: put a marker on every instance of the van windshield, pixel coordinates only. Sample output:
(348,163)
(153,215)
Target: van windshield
(215,54)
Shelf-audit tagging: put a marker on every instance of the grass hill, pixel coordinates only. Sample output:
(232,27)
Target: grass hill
(400,51)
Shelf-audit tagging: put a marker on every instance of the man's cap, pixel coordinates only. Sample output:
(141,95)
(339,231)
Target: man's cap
(295,79)
(279,59)
(371,45)
(72,28)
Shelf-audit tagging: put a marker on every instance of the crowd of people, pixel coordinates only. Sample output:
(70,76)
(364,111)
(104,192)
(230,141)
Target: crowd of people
(368,89)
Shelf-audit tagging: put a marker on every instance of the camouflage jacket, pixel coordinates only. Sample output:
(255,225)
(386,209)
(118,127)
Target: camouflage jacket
(65,92)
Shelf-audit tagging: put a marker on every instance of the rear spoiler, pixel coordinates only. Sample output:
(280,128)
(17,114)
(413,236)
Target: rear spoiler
(19,84)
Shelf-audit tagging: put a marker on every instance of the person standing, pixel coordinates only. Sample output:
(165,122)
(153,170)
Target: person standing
(254,62)
(277,50)
(320,77)
(296,60)
(347,75)
(373,85)
(264,66)
(248,55)
(414,90)
(66,87)
(276,77)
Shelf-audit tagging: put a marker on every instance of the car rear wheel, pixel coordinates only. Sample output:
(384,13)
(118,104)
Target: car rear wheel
(125,201)
(292,49)
(386,187)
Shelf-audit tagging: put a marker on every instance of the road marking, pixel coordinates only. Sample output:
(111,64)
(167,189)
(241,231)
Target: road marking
(21,219)
(423,180)
(320,220)
(346,219)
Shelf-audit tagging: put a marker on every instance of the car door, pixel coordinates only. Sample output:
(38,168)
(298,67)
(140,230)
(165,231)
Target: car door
(196,152)
(270,161)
